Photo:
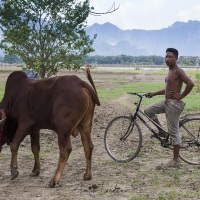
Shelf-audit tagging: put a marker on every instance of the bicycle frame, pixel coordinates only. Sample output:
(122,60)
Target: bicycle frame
(123,145)
(138,114)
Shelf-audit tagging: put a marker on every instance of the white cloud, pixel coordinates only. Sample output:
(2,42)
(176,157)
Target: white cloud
(192,13)
(145,14)
(184,15)
(196,11)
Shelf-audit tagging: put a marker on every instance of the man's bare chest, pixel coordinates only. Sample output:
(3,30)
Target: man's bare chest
(172,77)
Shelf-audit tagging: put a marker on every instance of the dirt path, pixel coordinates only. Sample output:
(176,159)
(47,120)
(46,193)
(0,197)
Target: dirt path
(136,180)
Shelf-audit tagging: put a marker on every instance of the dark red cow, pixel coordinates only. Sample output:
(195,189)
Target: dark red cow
(64,104)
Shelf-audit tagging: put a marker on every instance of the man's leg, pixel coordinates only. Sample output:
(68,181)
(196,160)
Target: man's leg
(161,133)
(173,129)
(173,112)
(152,111)
(176,152)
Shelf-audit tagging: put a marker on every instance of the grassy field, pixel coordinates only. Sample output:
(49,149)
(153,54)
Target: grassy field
(106,93)
(122,85)
(135,180)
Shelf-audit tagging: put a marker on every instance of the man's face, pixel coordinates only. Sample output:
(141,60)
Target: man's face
(170,58)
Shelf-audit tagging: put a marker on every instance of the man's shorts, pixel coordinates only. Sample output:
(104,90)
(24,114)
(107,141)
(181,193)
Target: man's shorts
(172,109)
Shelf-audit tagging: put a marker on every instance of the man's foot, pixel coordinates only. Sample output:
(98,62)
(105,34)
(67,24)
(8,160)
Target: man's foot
(172,164)
(161,134)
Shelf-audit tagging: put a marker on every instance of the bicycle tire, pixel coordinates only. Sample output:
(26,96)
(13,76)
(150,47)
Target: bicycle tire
(190,149)
(122,150)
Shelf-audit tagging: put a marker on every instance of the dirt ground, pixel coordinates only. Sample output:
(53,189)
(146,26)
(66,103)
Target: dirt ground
(136,180)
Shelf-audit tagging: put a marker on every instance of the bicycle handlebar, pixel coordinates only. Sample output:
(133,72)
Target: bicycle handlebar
(140,100)
(139,95)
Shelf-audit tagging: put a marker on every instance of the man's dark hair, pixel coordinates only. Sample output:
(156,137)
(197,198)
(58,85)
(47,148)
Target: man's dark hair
(175,51)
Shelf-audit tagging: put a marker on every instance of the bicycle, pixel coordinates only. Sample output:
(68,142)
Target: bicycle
(123,135)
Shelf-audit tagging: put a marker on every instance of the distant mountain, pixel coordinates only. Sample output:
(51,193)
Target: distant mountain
(111,40)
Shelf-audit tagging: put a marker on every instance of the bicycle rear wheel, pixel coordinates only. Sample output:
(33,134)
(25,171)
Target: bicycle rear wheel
(190,135)
(123,139)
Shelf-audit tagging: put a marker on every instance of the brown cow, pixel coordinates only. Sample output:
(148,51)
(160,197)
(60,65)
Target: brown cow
(64,104)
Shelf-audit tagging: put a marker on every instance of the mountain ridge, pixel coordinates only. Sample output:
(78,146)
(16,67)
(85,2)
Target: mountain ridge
(112,41)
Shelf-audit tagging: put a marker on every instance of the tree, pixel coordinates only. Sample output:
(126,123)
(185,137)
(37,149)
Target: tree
(47,35)
(12,59)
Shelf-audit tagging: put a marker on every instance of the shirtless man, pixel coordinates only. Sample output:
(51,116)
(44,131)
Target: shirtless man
(173,105)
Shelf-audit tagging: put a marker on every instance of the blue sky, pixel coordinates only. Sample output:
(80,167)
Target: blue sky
(145,14)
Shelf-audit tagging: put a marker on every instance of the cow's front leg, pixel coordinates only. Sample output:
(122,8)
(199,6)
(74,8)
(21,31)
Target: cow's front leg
(14,168)
(18,138)
(14,173)
(65,150)
(35,147)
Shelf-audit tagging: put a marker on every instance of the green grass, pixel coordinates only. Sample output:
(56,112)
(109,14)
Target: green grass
(120,86)
(161,71)
(1,92)
(192,100)
(120,89)
(168,195)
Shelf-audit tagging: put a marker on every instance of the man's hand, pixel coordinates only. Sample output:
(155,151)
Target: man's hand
(150,94)
(173,95)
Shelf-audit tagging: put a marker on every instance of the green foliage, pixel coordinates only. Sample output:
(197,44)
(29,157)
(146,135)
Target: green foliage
(137,60)
(189,61)
(125,59)
(12,59)
(47,35)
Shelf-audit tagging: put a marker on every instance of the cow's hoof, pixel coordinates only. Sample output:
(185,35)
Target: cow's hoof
(53,184)
(87,177)
(14,173)
(35,172)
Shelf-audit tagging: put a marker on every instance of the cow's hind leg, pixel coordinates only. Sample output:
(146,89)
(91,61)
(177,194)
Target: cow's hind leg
(85,127)
(65,148)
(88,148)
(35,147)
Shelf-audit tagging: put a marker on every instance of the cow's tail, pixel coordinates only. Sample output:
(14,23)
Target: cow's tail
(94,94)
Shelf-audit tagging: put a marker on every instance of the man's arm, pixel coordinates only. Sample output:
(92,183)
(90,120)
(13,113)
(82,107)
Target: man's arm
(189,84)
(152,94)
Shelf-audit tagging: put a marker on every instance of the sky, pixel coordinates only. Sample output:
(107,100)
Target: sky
(145,14)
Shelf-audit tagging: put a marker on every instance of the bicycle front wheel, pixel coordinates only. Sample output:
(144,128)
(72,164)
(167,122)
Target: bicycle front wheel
(190,146)
(123,139)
